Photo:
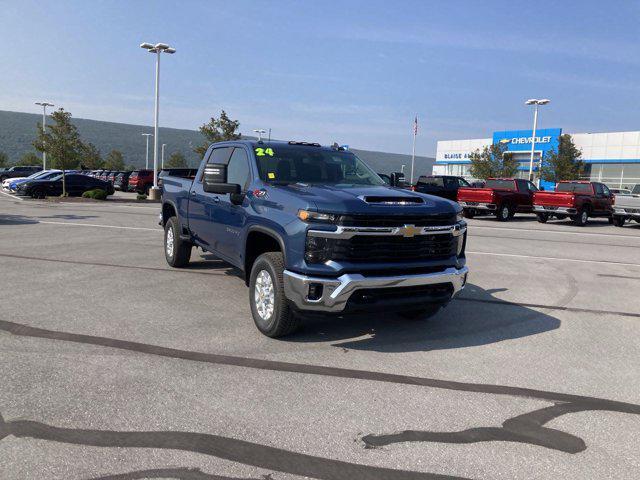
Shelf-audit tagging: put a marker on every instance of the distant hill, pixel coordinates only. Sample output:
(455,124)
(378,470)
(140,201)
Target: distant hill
(18,129)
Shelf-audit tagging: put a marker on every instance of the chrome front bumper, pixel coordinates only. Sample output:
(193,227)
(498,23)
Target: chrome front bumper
(561,210)
(337,291)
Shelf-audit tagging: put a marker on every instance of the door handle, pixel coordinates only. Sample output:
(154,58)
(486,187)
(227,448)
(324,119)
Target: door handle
(216,199)
(193,192)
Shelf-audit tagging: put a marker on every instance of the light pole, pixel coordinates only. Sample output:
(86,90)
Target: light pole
(163,145)
(158,48)
(44,106)
(147,156)
(260,132)
(536,102)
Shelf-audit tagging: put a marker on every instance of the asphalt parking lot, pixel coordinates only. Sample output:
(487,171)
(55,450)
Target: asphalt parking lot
(115,366)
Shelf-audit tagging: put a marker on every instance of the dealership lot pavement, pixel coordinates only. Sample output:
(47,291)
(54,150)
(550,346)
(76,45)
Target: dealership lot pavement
(114,366)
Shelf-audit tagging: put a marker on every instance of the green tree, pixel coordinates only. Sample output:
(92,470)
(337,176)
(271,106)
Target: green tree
(114,160)
(564,163)
(62,143)
(4,160)
(91,158)
(493,162)
(176,160)
(130,168)
(28,159)
(218,130)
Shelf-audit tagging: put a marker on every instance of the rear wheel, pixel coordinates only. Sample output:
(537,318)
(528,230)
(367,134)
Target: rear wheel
(504,212)
(270,309)
(582,217)
(619,220)
(542,217)
(176,251)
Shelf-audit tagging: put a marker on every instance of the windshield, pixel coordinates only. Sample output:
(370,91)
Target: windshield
(574,187)
(312,165)
(501,184)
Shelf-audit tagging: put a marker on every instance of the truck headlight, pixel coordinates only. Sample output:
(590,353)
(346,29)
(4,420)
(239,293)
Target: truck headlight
(309,216)
(317,249)
(462,242)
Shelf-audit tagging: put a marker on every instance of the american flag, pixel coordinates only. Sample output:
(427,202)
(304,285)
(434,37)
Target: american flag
(415,126)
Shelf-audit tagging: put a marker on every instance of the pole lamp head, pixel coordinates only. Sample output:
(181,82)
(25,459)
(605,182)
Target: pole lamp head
(543,101)
(531,101)
(146,46)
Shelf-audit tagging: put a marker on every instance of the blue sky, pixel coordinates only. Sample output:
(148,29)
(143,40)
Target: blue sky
(355,72)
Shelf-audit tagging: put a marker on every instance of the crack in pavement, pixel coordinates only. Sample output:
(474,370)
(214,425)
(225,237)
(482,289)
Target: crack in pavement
(527,428)
(240,451)
(176,473)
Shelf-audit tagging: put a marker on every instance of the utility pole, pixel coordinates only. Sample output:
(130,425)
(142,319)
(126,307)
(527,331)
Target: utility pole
(44,106)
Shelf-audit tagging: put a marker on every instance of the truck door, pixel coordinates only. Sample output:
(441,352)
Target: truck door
(601,202)
(204,208)
(234,217)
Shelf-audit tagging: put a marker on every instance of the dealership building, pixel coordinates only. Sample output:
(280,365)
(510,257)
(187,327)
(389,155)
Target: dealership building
(612,158)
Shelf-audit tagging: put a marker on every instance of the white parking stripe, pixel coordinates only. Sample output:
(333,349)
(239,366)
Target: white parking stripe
(101,226)
(554,258)
(536,230)
(12,196)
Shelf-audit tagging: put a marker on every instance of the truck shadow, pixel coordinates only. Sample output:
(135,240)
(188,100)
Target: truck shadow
(476,318)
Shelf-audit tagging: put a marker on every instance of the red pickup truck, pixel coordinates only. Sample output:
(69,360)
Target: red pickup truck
(576,200)
(503,197)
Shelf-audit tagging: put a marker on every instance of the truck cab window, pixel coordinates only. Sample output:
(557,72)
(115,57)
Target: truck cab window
(238,169)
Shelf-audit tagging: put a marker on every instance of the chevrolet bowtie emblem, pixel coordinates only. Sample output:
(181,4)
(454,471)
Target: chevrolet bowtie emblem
(410,230)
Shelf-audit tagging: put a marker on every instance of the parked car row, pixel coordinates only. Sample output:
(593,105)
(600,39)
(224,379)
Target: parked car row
(505,197)
(47,183)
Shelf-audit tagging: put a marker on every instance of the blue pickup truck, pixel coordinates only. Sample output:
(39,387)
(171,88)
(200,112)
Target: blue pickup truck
(315,230)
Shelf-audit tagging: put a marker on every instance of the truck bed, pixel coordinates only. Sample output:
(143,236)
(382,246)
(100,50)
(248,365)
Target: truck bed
(480,195)
(556,199)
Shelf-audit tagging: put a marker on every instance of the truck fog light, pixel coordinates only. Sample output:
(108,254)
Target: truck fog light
(315,291)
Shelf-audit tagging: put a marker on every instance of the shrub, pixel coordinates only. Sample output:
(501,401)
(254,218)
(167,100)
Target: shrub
(96,193)
(141,196)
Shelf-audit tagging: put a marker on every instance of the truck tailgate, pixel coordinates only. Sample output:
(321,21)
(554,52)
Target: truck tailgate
(554,199)
(627,201)
(479,195)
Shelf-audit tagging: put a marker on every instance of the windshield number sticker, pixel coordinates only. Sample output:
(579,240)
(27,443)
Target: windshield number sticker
(271,175)
(261,152)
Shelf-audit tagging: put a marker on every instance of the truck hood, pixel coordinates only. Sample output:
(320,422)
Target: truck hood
(369,200)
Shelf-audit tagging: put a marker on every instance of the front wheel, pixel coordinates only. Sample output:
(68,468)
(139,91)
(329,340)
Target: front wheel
(269,307)
(543,217)
(176,250)
(37,193)
(619,220)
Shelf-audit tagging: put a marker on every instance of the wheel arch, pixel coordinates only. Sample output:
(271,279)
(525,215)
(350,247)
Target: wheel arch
(260,240)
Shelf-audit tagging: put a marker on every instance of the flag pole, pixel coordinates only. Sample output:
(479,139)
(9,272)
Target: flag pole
(413,152)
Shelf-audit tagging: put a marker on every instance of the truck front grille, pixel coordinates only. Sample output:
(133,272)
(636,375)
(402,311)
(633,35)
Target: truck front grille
(385,248)
(395,220)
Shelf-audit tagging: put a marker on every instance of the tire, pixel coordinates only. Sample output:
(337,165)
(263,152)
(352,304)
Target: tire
(618,220)
(582,217)
(421,313)
(542,217)
(610,219)
(468,213)
(504,212)
(146,190)
(176,251)
(38,193)
(274,318)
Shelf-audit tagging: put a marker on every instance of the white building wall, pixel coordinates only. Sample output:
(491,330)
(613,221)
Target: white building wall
(608,146)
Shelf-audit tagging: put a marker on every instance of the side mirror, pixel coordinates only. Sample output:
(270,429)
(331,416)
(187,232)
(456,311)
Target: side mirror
(541,188)
(214,180)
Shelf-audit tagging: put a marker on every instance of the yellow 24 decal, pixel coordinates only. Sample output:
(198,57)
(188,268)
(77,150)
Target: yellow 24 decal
(261,152)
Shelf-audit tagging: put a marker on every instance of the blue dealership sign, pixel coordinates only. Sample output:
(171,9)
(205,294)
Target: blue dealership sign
(520,140)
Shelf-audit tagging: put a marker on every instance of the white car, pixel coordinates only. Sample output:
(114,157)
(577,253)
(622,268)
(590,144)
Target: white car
(42,173)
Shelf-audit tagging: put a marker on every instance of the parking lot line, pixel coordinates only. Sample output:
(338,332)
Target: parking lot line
(537,230)
(101,226)
(12,196)
(606,262)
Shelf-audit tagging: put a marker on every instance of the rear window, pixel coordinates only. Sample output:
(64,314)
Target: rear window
(574,187)
(431,181)
(501,184)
